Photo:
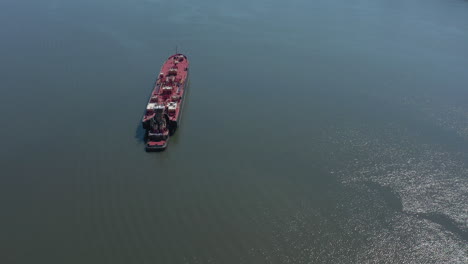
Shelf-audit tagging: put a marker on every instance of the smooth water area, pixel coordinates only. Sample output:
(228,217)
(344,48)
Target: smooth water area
(313,132)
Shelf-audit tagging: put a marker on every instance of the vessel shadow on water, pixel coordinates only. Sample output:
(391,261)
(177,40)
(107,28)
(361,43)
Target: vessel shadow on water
(164,108)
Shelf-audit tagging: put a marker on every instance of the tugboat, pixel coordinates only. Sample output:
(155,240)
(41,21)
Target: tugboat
(163,112)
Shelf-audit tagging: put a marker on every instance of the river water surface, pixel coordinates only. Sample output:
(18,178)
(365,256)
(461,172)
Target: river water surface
(313,132)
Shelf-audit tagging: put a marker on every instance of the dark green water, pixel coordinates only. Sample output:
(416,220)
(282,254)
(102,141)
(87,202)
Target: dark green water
(313,132)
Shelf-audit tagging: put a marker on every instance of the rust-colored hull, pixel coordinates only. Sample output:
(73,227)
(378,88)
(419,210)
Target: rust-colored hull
(168,93)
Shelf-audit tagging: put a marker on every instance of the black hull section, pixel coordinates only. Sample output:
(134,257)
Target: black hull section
(145,125)
(173,127)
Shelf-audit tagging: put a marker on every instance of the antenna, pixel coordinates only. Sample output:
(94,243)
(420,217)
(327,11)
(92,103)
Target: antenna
(176,50)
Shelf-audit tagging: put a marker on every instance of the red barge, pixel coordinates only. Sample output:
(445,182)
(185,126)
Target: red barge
(164,109)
